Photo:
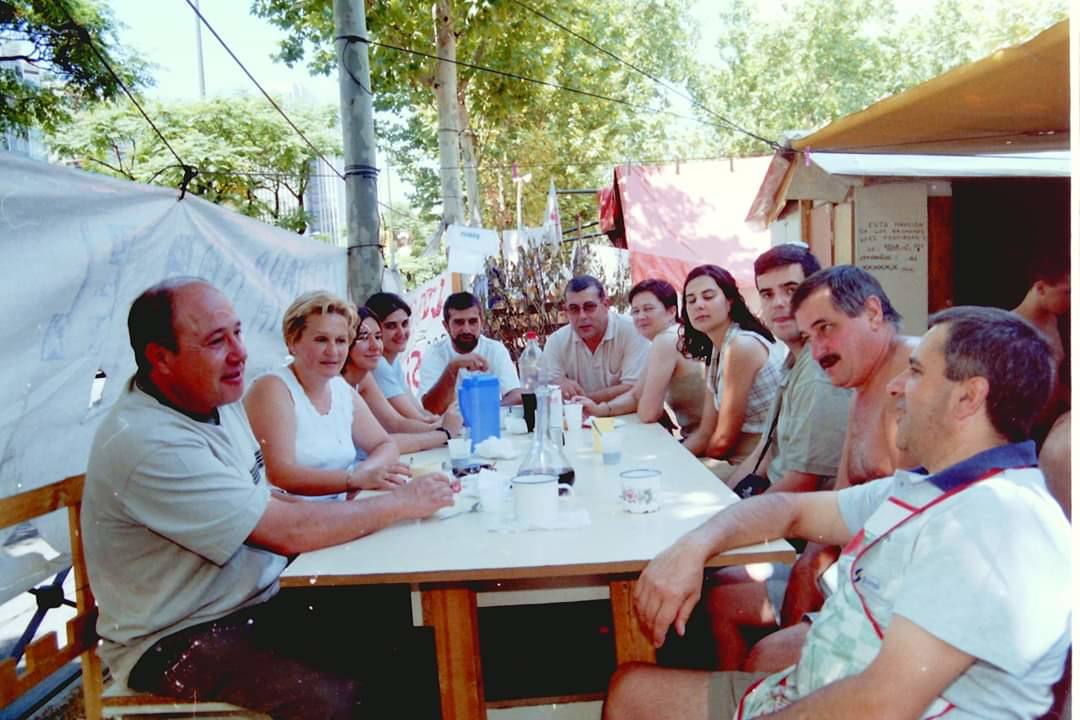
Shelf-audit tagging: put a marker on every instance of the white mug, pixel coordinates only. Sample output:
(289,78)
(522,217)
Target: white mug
(536,500)
(640,490)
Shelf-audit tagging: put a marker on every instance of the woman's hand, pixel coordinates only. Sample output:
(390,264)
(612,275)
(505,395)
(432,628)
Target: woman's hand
(378,477)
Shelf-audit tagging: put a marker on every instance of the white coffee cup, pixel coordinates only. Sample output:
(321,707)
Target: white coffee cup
(536,500)
(640,490)
(492,490)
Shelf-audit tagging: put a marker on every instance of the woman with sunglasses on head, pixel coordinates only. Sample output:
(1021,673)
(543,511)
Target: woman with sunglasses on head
(409,434)
(744,368)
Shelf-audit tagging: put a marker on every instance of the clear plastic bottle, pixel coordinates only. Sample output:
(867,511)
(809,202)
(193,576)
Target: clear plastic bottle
(529,371)
(545,456)
(529,363)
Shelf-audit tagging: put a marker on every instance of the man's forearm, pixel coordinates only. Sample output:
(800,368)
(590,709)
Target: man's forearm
(441,394)
(609,393)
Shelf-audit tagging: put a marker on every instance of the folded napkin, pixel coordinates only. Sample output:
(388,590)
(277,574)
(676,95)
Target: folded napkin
(495,448)
(515,426)
(463,503)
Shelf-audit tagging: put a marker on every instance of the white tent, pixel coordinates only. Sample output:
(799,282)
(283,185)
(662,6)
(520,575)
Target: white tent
(76,249)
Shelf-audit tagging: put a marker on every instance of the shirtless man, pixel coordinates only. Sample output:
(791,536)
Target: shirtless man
(854,334)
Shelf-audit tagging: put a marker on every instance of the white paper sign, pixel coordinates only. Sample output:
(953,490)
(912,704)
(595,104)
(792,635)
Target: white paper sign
(469,247)
(891,243)
(426,324)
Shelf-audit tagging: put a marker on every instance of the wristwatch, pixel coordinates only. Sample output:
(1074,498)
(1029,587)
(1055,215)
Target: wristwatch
(446,432)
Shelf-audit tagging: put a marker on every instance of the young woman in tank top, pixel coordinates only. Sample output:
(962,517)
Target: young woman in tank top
(744,367)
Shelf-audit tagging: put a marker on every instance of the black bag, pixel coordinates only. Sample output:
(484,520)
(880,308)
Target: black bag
(751,485)
(754,484)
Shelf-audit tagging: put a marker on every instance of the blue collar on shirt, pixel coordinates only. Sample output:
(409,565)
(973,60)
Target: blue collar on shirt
(1002,457)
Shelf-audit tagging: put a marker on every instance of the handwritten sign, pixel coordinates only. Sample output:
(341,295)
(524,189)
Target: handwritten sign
(427,327)
(891,243)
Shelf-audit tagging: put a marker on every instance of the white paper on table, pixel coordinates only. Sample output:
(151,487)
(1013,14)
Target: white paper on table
(469,247)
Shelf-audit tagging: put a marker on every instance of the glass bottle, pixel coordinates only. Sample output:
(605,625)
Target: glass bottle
(545,456)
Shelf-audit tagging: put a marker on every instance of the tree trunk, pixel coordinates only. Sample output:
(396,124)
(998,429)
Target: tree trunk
(446,97)
(468,156)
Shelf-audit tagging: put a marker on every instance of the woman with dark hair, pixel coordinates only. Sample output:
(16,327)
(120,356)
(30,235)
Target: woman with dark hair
(744,368)
(670,379)
(409,434)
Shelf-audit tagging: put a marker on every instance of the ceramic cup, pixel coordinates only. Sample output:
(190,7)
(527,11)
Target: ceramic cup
(640,490)
(536,500)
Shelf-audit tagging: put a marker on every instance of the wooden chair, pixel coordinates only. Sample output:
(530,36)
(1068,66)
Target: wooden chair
(44,656)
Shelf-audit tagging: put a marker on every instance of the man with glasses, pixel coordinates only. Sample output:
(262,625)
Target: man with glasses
(599,354)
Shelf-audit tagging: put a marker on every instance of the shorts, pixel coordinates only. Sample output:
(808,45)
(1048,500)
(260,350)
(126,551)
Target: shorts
(726,690)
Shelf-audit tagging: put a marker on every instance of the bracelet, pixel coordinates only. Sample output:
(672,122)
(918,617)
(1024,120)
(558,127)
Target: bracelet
(445,432)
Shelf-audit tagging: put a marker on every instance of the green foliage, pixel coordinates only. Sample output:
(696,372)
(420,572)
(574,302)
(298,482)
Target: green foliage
(75,76)
(819,60)
(538,127)
(247,156)
(417,269)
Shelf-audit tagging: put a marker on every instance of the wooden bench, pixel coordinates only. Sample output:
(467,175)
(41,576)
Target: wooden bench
(44,656)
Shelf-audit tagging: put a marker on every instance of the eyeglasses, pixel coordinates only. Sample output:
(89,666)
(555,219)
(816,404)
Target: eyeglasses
(588,308)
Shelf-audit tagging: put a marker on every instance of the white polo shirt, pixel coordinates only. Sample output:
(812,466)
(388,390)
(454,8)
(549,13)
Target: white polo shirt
(620,357)
(438,356)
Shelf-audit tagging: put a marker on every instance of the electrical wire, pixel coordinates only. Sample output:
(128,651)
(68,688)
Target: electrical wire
(189,170)
(524,78)
(266,95)
(694,101)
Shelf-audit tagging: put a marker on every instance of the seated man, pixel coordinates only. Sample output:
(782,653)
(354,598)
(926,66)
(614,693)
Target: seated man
(955,589)
(466,348)
(394,316)
(808,421)
(185,541)
(599,354)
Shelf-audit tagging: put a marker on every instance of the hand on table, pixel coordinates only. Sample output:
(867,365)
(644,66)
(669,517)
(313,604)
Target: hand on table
(668,589)
(570,388)
(588,407)
(380,477)
(452,421)
(427,493)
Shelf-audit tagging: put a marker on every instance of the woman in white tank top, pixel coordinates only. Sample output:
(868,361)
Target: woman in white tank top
(744,368)
(308,420)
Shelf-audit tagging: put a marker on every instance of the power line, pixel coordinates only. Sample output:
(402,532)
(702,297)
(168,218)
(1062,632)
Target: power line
(523,78)
(734,126)
(189,170)
(269,99)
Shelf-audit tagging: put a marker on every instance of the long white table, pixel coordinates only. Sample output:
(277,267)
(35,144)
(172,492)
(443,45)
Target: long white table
(447,560)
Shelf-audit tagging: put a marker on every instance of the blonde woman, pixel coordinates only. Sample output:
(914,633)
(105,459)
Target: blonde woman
(308,420)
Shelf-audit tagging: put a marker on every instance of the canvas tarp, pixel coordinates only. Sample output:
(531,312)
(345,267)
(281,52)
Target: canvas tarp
(77,249)
(1015,99)
(678,216)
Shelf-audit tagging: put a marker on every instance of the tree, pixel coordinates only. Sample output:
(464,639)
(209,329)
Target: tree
(247,156)
(505,119)
(819,60)
(54,37)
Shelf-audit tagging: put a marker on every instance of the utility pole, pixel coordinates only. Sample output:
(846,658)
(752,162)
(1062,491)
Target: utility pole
(358,131)
(198,53)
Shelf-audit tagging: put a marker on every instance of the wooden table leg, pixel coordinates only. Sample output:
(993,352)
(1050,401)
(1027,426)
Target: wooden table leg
(630,642)
(451,612)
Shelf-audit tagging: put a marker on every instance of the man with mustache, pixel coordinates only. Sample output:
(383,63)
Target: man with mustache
(854,334)
(955,593)
(802,454)
(465,348)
